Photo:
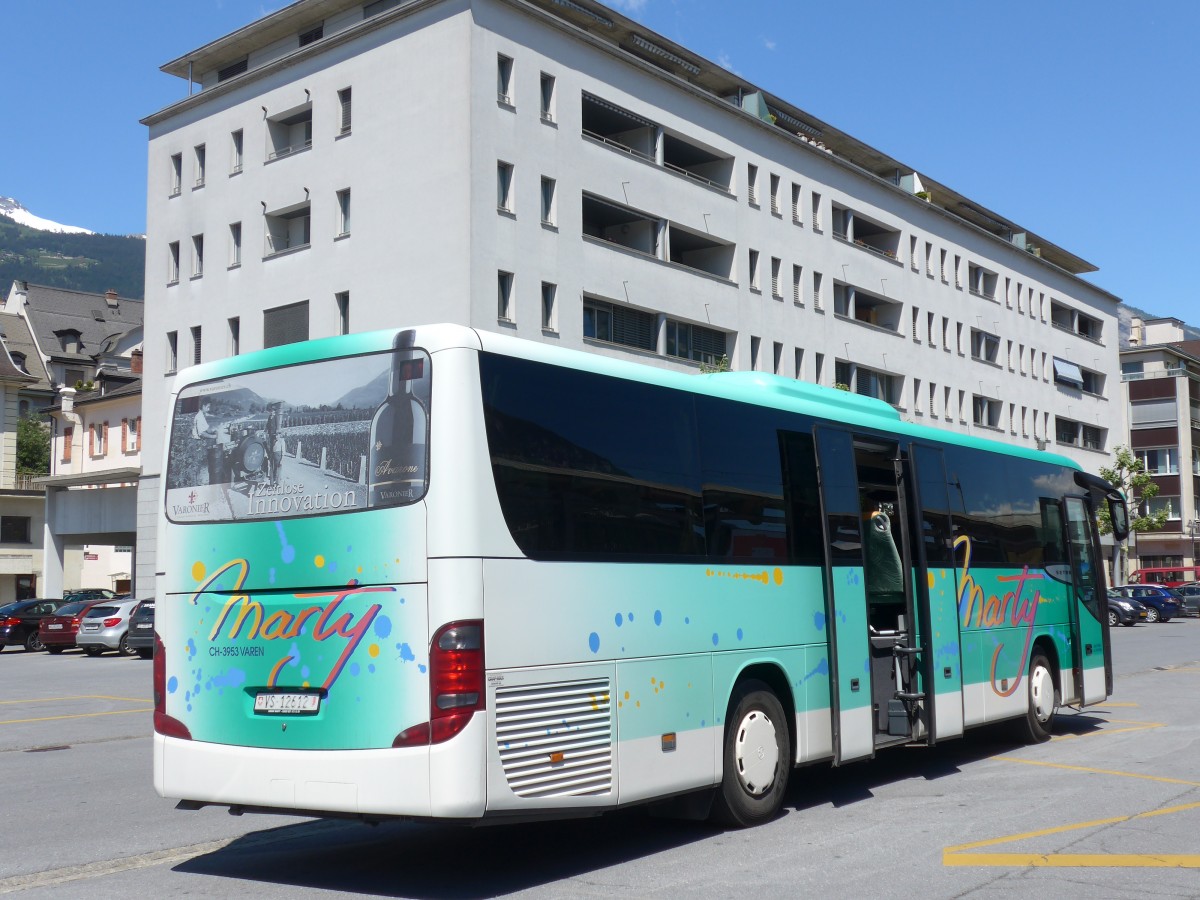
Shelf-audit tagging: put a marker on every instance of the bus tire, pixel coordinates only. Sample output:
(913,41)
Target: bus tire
(756,760)
(1043,700)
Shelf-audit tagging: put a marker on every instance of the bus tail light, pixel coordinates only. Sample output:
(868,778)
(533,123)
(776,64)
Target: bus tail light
(456,689)
(165,725)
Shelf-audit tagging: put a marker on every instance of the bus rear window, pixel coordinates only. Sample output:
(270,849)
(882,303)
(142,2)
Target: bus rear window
(331,436)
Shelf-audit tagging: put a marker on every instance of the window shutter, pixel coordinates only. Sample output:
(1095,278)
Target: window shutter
(68,439)
(92,441)
(124,435)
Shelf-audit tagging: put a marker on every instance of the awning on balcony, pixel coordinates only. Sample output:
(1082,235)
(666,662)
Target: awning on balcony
(1068,372)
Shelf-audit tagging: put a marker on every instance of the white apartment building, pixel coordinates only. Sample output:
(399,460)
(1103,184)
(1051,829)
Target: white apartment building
(551,169)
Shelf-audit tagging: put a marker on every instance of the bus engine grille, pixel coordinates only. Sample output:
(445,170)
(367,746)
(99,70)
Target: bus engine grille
(555,740)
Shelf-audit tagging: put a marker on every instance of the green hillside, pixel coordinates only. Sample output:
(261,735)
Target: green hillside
(83,262)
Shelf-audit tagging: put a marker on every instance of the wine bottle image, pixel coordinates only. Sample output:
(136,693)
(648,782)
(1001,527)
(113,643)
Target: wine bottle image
(396,471)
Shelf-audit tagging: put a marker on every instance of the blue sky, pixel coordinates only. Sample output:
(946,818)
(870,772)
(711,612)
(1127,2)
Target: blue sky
(1077,120)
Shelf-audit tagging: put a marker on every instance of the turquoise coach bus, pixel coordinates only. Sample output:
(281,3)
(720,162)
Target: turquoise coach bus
(443,573)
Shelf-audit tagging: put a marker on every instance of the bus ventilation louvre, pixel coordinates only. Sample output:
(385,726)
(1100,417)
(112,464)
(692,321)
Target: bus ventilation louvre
(165,725)
(555,740)
(455,684)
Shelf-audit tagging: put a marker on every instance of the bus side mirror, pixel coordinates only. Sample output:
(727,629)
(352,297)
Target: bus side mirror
(1118,514)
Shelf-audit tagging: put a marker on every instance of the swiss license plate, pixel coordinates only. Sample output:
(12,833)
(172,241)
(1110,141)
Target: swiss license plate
(277,703)
(54,627)
(140,625)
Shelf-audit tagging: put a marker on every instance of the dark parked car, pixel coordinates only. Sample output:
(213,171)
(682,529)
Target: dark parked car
(1191,598)
(1162,604)
(57,632)
(19,622)
(141,630)
(89,594)
(1124,610)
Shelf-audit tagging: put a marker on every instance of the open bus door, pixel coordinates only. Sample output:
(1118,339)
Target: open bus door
(1089,624)
(845,598)
(936,593)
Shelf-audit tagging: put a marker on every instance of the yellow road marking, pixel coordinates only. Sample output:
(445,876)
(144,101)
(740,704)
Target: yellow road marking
(1050,765)
(79,697)
(114,712)
(1112,704)
(955,856)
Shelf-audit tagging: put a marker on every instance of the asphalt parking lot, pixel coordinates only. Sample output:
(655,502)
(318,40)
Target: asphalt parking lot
(1109,808)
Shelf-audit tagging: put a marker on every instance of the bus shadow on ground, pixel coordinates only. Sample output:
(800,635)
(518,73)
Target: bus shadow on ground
(420,860)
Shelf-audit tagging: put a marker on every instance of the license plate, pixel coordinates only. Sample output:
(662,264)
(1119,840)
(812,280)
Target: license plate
(287,704)
(91,627)
(54,627)
(140,625)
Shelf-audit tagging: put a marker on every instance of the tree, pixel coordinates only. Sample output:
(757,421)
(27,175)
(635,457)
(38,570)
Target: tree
(720,365)
(1128,475)
(33,447)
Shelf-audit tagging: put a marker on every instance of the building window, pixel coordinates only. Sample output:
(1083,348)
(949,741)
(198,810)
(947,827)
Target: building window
(197,255)
(798,285)
(312,35)
(15,529)
(817,290)
(172,351)
(777,359)
(235,244)
(289,132)
(343,307)
(816,212)
(1170,504)
(233,69)
(344,102)
(775,199)
(796,204)
(288,229)
(549,301)
(235,336)
(504,82)
(131,435)
(196,345)
(200,166)
(618,324)
(753,263)
(285,324)
(752,184)
(343,204)
(755,348)
(1160,460)
(176,174)
(504,283)
(776,287)
(173,262)
(547,97)
(235,166)
(548,201)
(986,412)
(98,435)
(818,367)
(1067,373)
(504,187)
(695,342)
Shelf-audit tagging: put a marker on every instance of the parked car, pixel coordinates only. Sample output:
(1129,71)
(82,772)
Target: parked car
(57,632)
(19,622)
(1191,598)
(141,629)
(1162,604)
(89,594)
(1124,610)
(106,627)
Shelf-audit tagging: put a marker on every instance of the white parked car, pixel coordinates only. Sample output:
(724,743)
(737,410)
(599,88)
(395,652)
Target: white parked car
(106,627)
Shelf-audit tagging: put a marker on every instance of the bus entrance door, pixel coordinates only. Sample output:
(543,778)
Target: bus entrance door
(1087,628)
(845,598)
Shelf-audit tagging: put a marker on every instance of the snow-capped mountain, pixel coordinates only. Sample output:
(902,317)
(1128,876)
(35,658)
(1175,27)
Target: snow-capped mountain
(15,211)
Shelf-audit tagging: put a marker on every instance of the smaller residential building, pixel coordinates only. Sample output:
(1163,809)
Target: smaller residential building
(21,506)
(1160,375)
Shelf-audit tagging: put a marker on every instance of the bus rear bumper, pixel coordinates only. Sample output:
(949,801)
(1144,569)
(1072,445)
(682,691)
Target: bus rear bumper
(367,783)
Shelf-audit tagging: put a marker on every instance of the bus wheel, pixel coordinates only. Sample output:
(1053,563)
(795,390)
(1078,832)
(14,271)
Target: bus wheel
(1043,698)
(756,760)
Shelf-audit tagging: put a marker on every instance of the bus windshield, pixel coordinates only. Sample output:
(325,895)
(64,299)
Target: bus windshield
(331,436)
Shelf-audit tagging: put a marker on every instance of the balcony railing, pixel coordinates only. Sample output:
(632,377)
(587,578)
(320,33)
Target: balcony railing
(288,151)
(22,483)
